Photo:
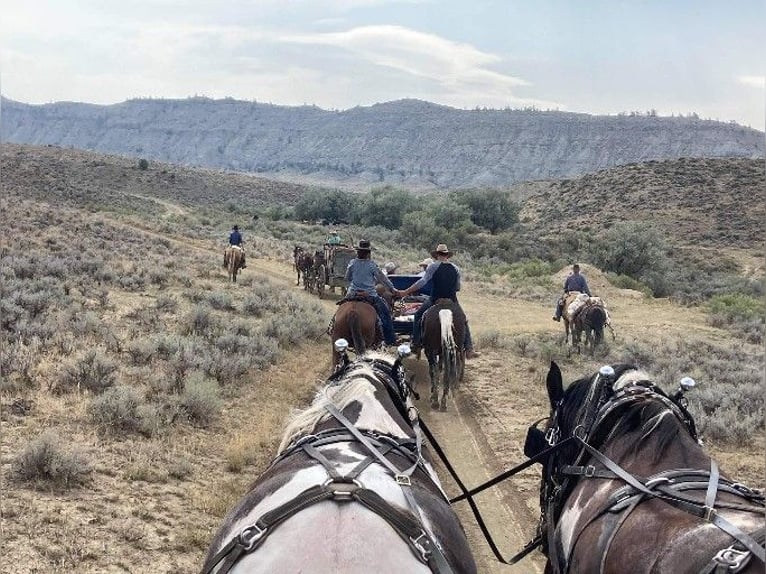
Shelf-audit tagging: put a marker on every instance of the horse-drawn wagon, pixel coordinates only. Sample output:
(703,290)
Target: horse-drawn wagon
(330,265)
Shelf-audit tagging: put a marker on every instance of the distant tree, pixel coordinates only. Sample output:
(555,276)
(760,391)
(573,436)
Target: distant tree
(143,164)
(491,209)
(331,205)
(638,250)
(385,206)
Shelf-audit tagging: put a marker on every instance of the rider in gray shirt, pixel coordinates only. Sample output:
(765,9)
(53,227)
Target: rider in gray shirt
(362,274)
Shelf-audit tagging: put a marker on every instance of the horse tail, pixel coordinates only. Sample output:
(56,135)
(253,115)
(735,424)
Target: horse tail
(449,348)
(360,347)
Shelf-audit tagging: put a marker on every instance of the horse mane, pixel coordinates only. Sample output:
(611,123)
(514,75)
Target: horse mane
(646,415)
(354,385)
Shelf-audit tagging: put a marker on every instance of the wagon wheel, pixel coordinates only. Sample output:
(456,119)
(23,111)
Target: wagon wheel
(320,281)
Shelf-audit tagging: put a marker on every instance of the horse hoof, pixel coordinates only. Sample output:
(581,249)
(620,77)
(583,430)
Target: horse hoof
(435,405)
(443,408)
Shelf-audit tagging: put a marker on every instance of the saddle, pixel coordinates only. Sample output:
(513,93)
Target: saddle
(360,296)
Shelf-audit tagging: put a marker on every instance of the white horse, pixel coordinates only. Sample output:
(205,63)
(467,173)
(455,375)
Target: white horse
(351,490)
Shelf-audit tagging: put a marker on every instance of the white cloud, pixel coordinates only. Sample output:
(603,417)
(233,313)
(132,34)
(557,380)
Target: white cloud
(754,81)
(432,67)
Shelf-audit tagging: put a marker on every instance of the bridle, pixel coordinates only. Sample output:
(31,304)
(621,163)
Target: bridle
(408,523)
(602,408)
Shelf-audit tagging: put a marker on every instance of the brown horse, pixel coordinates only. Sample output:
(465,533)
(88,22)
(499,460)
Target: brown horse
(357,322)
(233,258)
(297,253)
(630,489)
(306,268)
(443,328)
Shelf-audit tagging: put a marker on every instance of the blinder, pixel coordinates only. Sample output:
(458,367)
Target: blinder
(536,441)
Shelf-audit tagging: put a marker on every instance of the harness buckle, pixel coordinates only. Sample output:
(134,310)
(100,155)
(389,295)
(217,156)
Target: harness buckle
(709,513)
(580,432)
(423,545)
(589,471)
(251,535)
(732,558)
(403,480)
(551,436)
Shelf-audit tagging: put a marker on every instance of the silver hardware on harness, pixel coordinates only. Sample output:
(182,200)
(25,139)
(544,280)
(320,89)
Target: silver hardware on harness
(732,558)
(250,536)
(403,480)
(421,544)
(551,436)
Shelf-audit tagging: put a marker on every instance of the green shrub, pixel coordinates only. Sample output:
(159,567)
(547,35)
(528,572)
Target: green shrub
(122,409)
(736,307)
(627,282)
(201,400)
(93,371)
(46,460)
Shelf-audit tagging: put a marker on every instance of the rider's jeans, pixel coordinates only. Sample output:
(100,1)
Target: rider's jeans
(389,335)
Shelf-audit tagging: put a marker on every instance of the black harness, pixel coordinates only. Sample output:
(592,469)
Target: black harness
(408,523)
(601,409)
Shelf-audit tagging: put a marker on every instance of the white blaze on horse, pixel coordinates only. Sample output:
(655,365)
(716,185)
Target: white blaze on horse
(351,491)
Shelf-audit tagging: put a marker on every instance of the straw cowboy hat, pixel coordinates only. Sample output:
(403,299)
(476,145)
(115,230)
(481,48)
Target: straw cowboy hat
(426,262)
(364,245)
(441,249)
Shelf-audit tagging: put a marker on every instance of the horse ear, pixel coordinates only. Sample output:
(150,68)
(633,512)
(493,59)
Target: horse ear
(555,385)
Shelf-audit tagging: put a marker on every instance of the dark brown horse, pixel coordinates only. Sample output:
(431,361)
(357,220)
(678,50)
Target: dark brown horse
(357,322)
(630,489)
(306,269)
(233,259)
(443,328)
(589,321)
(297,253)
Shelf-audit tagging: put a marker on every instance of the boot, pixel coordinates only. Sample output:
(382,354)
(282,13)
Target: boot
(471,354)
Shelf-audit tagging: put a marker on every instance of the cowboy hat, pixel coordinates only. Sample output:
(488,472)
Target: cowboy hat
(441,249)
(364,245)
(426,262)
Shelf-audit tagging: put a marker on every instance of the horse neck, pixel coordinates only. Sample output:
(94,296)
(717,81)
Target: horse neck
(660,442)
(363,403)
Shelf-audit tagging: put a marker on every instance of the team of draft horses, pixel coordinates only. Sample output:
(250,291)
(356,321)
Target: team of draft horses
(626,486)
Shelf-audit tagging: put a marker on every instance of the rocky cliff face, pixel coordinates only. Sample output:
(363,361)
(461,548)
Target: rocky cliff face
(409,143)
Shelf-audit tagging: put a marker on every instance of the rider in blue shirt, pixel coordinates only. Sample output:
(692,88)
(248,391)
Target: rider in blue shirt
(235,238)
(363,274)
(573,282)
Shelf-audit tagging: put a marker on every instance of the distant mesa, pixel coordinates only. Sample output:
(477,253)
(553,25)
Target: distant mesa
(408,143)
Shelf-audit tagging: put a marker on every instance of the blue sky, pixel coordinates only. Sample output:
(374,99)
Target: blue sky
(601,57)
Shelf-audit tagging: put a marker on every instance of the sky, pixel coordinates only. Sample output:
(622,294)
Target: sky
(592,56)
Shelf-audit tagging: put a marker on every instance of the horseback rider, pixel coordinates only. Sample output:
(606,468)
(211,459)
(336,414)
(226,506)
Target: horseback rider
(574,282)
(445,281)
(362,274)
(235,239)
